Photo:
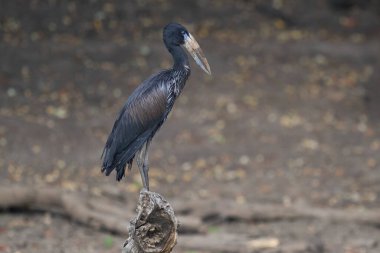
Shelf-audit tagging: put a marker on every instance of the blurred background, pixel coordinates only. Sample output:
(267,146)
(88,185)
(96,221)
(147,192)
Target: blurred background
(290,115)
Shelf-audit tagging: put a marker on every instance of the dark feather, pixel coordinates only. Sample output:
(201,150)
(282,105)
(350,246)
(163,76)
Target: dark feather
(141,116)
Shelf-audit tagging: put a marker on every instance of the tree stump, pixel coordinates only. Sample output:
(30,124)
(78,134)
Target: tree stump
(154,230)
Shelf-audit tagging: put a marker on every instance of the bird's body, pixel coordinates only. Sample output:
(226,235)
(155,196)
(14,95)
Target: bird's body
(146,110)
(140,118)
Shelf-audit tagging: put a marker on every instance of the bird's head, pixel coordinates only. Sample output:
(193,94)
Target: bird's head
(177,35)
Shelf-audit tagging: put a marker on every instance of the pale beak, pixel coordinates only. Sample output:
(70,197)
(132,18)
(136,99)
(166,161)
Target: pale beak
(195,51)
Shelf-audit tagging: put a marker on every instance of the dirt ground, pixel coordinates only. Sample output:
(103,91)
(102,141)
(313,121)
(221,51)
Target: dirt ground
(290,115)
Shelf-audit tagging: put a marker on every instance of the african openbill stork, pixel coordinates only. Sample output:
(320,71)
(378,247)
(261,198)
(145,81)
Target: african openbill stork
(148,106)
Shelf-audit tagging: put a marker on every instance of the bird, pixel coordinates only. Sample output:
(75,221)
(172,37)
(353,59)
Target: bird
(149,105)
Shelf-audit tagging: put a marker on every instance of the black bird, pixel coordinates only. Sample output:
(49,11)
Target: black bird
(149,105)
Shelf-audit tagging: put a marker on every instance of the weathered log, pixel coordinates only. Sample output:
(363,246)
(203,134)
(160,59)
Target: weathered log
(154,230)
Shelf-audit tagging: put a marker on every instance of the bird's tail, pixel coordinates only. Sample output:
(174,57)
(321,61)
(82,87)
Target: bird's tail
(107,165)
(114,158)
(111,162)
(120,169)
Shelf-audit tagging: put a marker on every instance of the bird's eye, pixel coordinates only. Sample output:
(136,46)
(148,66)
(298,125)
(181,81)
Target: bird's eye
(183,32)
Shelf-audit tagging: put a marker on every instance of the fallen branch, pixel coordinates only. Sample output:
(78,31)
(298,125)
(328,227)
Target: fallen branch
(73,205)
(222,211)
(108,215)
(98,213)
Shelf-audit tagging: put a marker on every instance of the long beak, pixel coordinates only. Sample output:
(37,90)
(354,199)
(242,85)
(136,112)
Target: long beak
(195,51)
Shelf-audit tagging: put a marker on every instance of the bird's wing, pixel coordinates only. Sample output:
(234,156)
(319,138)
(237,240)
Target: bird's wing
(139,118)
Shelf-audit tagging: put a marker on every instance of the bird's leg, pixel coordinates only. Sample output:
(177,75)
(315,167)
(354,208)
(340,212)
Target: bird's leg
(146,164)
(142,163)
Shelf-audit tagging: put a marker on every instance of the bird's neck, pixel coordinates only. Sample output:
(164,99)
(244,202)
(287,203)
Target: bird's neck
(179,57)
